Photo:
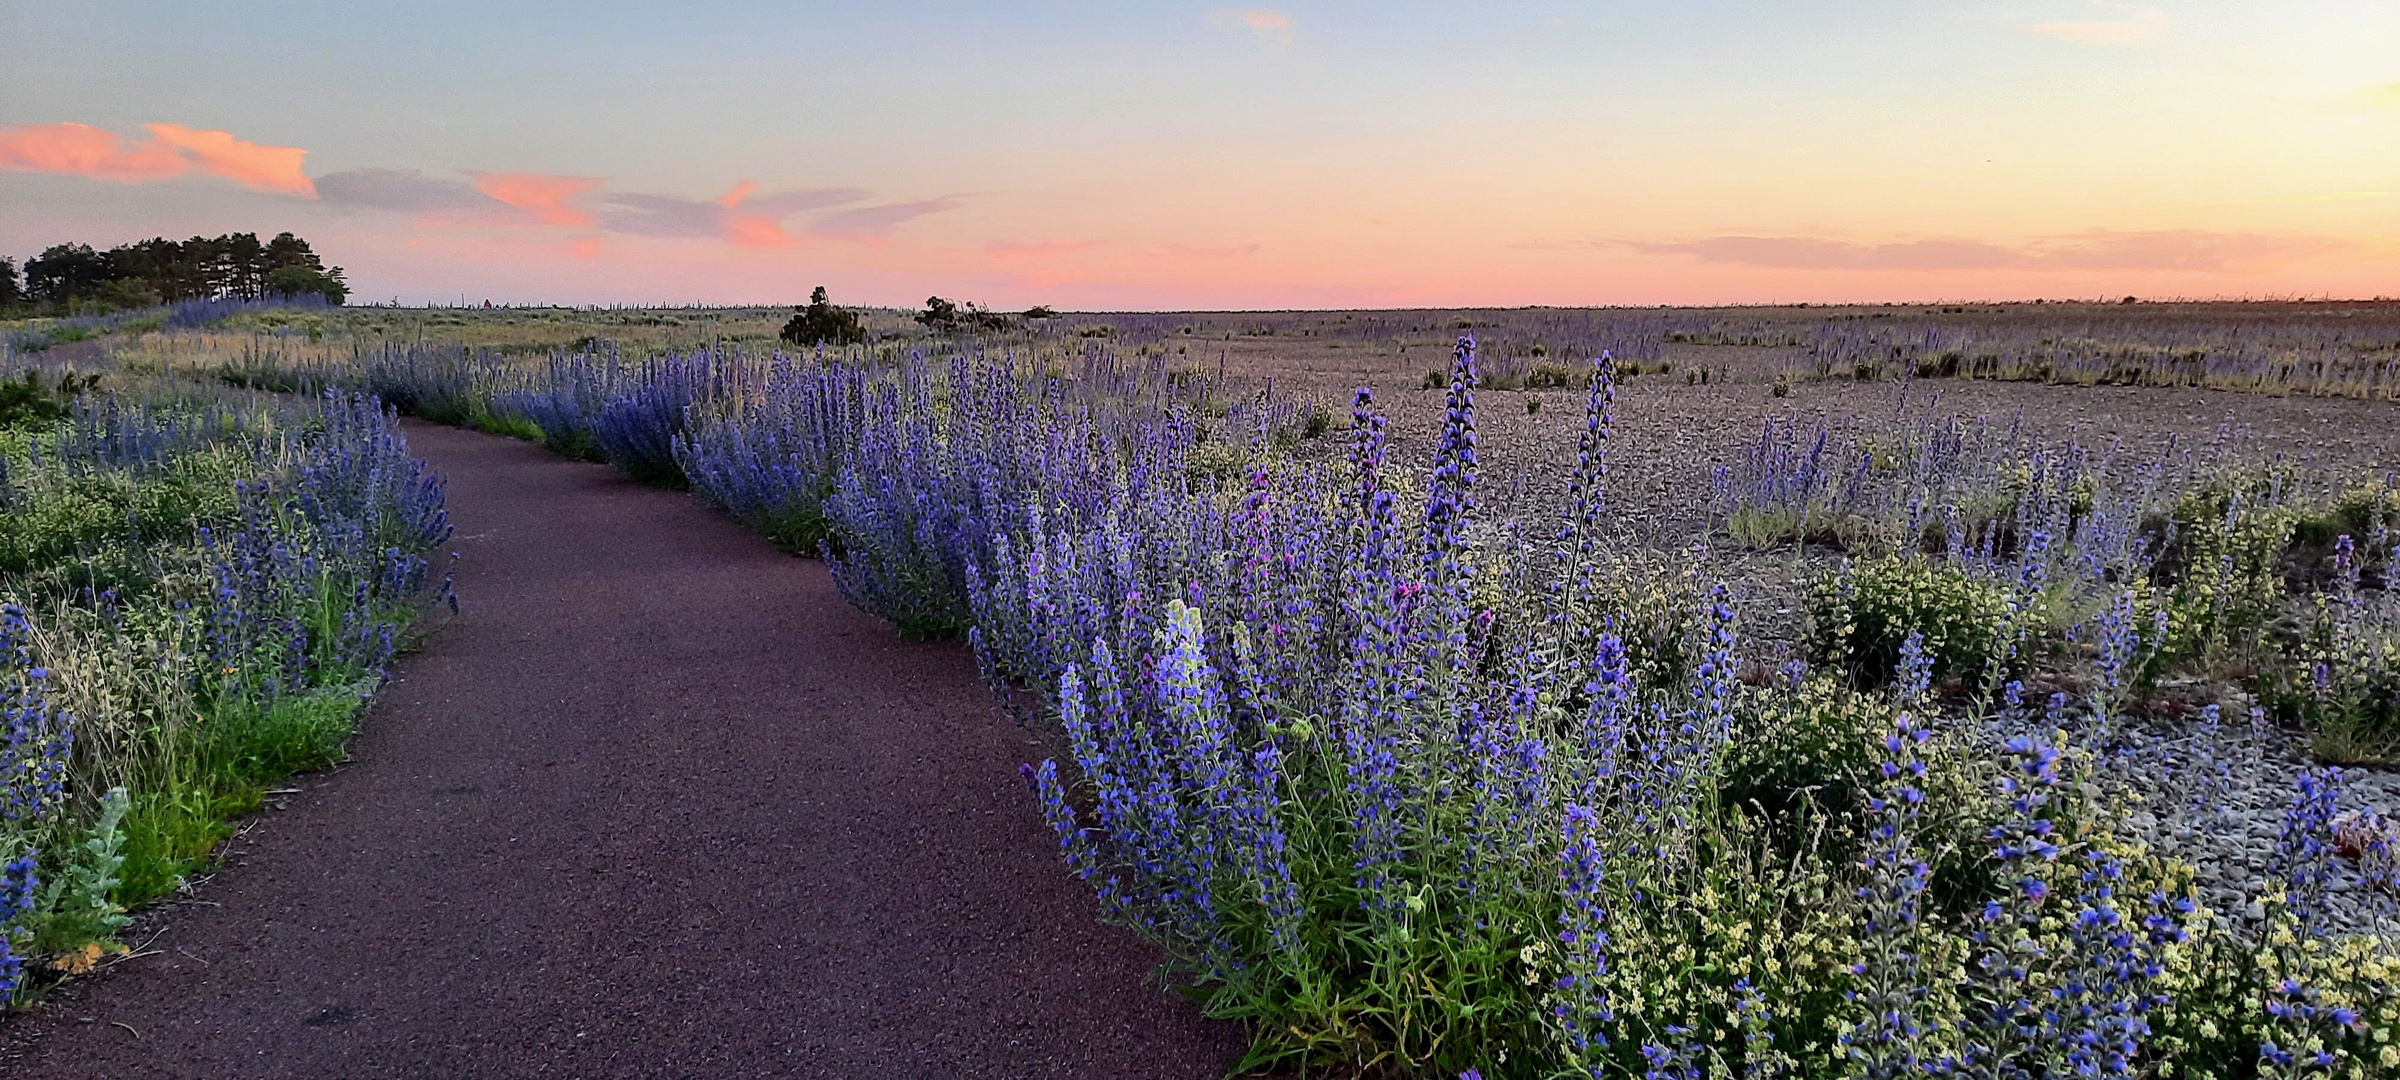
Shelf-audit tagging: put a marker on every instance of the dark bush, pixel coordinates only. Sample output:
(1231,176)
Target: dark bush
(949,317)
(28,402)
(821,323)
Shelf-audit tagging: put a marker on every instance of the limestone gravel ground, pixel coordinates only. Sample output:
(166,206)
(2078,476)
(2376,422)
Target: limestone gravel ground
(659,803)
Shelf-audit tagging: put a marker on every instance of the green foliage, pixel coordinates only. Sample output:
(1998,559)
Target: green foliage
(79,908)
(30,402)
(2219,569)
(2216,1020)
(220,770)
(110,590)
(512,426)
(1764,527)
(307,281)
(125,293)
(2363,511)
(821,323)
(1549,375)
(1859,616)
(1318,421)
(2341,682)
(134,275)
(1811,751)
(1217,464)
(69,530)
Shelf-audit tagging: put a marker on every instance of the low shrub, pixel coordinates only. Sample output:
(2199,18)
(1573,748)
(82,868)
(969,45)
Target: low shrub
(1550,375)
(1811,752)
(31,402)
(821,323)
(2220,551)
(1859,616)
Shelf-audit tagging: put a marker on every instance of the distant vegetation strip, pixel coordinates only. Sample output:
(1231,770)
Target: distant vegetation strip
(74,279)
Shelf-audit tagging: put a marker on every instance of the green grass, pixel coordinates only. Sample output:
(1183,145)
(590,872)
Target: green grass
(515,427)
(224,768)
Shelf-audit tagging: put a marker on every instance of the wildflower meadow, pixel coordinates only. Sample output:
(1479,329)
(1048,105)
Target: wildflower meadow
(1415,787)
(1408,771)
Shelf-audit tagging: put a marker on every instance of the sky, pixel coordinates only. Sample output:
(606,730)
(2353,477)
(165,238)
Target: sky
(1134,155)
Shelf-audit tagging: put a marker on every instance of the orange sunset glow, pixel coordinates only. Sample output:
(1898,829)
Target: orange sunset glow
(1324,156)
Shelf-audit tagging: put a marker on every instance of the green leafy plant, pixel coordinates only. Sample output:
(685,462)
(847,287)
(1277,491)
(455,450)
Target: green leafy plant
(29,401)
(1859,616)
(79,913)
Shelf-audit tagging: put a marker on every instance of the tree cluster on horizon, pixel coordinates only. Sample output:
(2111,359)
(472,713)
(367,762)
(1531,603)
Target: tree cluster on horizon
(239,266)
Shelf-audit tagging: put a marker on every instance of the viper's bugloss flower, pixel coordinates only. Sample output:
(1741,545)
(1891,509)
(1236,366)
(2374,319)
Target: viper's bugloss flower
(1583,1010)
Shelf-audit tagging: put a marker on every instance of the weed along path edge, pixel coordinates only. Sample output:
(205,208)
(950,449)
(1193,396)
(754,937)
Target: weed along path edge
(658,803)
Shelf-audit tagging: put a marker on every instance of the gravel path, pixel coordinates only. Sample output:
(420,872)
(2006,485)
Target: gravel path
(659,804)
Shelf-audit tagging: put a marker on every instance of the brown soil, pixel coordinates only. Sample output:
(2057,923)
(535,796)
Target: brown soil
(1670,433)
(659,803)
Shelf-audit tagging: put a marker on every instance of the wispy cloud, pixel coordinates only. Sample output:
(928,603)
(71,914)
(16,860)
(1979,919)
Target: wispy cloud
(877,222)
(2092,249)
(1202,251)
(741,216)
(2170,249)
(2135,27)
(548,198)
(1024,250)
(1273,28)
(404,191)
(171,151)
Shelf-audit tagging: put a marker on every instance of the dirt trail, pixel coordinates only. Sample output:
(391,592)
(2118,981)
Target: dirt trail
(658,804)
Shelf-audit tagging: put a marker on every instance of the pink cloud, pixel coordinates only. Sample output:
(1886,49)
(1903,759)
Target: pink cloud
(550,199)
(755,231)
(750,230)
(585,247)
(218,153)
(86,151)
(1272,27)
(171,151)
